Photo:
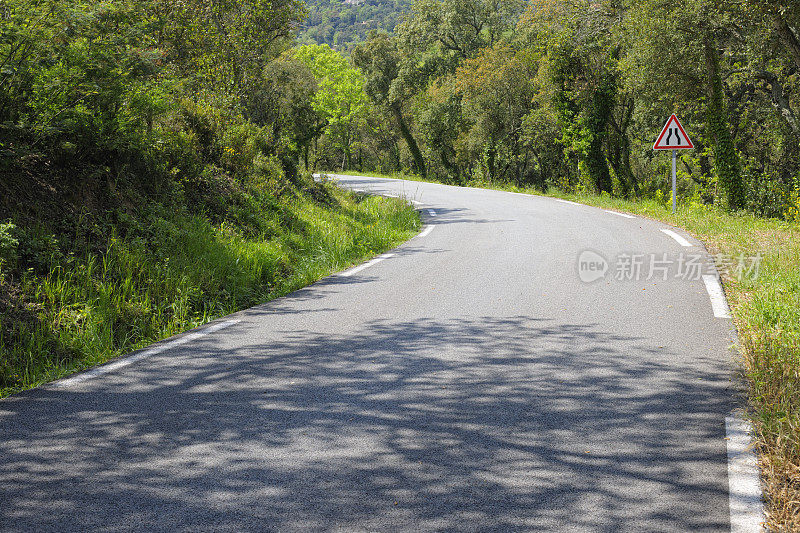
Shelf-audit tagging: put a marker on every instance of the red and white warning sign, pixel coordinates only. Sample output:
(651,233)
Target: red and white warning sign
(673,137)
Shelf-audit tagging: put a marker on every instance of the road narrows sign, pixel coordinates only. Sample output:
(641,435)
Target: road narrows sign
(673,137)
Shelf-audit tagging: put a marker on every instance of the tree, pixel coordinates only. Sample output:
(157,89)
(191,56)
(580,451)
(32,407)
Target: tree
(224,44)
(340,99)
(379,59)
(497,93)
(680,46)
(582,58)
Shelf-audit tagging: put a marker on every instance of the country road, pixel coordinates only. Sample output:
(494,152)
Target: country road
(469,380)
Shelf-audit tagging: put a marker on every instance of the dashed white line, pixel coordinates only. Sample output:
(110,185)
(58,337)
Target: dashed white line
(717,296)
(368,264)
(744,487)
(431,212)
(426,231)
(680,240)
(120,363)
(566,201)
(619,214)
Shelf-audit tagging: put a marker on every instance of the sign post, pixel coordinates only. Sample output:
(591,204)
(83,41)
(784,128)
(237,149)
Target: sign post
(673,137)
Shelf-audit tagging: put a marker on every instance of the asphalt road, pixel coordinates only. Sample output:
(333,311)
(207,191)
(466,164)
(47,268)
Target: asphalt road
(472,382)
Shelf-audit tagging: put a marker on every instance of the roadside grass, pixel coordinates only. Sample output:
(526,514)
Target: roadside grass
(766,312)
(180,273)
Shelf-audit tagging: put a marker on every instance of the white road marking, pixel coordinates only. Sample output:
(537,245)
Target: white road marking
(431,212)
(414,202)
(678,238)
(744,487)
(121,363)
(619,214)
(567,201)
(368,264)
(717,295)
(426,231)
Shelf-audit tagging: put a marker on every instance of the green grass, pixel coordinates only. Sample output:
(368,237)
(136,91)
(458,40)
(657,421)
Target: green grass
(766,311)
(180,272)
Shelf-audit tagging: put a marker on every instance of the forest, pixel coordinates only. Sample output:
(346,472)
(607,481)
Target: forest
(571,95)
(137,136)
(150,175)
(341,25)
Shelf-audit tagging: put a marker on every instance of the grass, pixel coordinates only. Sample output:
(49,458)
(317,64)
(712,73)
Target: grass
(766,312)
(179,271)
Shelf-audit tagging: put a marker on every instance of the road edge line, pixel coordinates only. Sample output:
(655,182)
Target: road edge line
(133,358)
(678,238)
(359,268)
(426,231)
(719,304)
(745,498)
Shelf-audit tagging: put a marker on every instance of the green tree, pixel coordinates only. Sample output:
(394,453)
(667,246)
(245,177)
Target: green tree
(340,99)
(680,47)
(497,93)
(582,57)
(379,59)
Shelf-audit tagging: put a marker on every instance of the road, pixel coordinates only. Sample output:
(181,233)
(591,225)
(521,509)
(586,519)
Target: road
(471,381)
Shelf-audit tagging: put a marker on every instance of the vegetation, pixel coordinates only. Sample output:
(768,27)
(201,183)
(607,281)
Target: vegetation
(150,179)
(343,24)
(572,95)
(128,126)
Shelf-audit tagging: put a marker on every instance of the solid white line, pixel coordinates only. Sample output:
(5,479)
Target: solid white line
(619,214)
(678,238)
(717,295)
(426,231)
(431,212)
(744,487)
(567,201)
(368,264)
(120,363)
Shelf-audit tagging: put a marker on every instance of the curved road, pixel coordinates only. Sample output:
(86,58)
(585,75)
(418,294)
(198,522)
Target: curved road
(471,381)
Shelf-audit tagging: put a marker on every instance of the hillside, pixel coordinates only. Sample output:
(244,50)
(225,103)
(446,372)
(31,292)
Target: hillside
(342,24)
(140,193)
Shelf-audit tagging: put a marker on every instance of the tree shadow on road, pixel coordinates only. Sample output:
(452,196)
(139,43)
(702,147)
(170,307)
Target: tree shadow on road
(475,424)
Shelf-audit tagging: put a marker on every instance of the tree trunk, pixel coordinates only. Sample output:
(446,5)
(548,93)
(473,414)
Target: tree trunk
(789,38)
(419,162)
(726,159)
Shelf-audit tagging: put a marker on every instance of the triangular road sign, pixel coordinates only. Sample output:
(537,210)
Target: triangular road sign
(673,137)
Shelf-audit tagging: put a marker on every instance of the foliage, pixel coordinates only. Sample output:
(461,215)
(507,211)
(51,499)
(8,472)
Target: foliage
(340,99)
(342,25)
(166,271)
(150,180)
(600,80)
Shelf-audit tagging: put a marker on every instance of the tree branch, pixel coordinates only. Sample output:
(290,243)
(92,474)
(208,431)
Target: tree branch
(779,100)
(788,36)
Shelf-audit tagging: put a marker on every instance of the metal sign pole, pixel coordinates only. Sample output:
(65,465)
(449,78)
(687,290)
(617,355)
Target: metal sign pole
(673,137)
(674,180)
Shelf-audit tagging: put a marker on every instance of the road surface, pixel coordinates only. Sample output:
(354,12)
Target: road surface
(470,381)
